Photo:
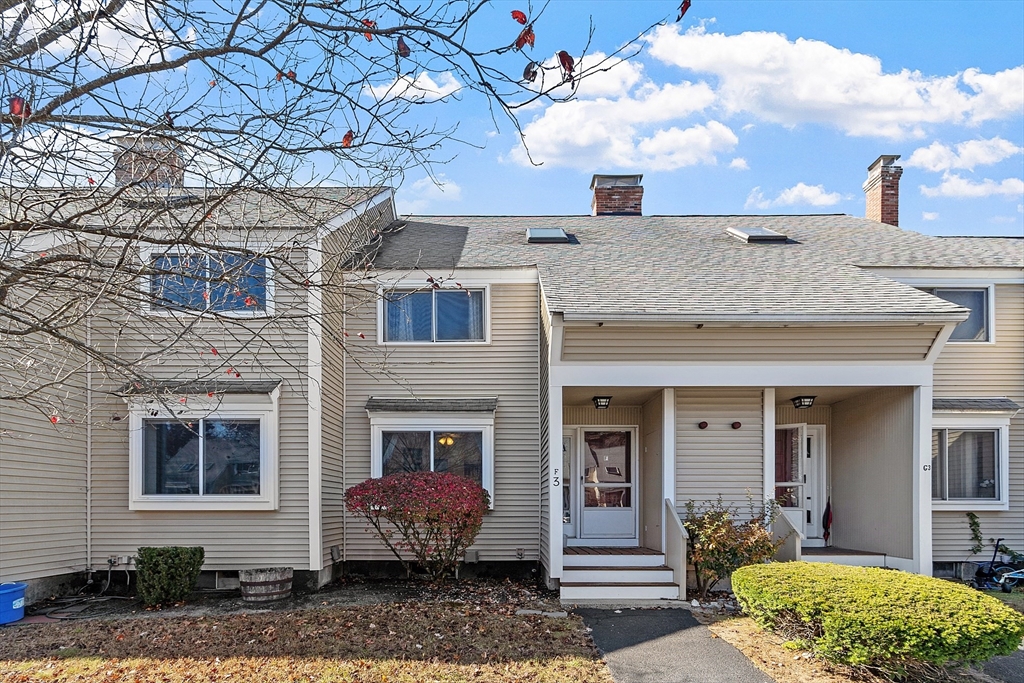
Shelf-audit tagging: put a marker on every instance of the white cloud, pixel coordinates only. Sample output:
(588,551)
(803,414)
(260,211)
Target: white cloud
(955,186)
(799,194)
(423,88)
(929,215)
(625,133)
(424,193)
(810,81)
(966,155)
(740,164)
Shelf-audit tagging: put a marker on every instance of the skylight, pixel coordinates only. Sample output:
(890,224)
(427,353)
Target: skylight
(546,236)
(756,234)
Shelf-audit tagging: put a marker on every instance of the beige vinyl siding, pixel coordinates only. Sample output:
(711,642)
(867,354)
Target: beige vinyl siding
(337,247)
(872,472)
(719,460)
(549,494)
(43,487)
(650,493)
(986,371)
(589,416)
(793,344)
(259,350)
(507,367)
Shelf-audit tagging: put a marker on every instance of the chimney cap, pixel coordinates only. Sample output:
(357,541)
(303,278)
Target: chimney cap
(883,160)
(600,180)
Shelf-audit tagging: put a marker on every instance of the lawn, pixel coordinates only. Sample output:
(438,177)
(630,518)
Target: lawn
(412,642)
(1014,599)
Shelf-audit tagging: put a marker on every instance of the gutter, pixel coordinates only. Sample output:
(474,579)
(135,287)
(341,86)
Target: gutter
(780,320)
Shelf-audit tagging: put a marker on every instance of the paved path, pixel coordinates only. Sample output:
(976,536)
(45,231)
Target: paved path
(666,646)
(1008,669)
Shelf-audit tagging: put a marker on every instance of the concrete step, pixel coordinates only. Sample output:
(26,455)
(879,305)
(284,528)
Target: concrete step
(613,560)
(616,575)
(583,591)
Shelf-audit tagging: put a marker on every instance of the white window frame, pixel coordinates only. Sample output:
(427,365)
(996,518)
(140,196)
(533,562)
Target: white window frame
(982,422)
(990,306)
(382,321)
(437,422)
(151,308)
(263,407)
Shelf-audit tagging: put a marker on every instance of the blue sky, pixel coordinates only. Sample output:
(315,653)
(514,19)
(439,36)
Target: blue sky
(760,107)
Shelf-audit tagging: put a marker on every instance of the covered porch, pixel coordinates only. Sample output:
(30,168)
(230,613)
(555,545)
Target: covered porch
(627,469)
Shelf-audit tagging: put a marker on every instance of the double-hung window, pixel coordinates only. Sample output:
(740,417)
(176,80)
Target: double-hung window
(227,283)
(969,464)
(434,315)
(978,326)
(211,455)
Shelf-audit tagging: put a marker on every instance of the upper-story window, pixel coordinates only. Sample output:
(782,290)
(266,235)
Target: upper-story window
(436,315)
(220,283)
(977,327)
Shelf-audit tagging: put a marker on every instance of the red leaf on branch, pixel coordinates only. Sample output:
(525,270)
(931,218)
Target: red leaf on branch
(519,16)
(369,23)
(347,140)
(682,9)
(403,49)
(249,301)
(567,63)
(279,76)
(362,336)
(230,371)
(213,350)
(19,107)
(213,83)
(209,394)
(291,75)
(183,400)
(91,181)
(54,419)
(530,72)
(526,37)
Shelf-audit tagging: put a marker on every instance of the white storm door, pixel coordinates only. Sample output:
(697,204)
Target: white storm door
(790,458)
(608,485)
(814,480)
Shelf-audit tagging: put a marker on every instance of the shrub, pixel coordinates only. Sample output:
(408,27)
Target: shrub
(432,516)
(721,541)
(889,620)
(167,575)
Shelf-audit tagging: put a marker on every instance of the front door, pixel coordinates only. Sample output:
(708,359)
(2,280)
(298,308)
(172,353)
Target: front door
(608,500)
(800,477)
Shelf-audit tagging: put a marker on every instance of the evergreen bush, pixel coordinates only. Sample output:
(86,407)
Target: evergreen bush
(167,575)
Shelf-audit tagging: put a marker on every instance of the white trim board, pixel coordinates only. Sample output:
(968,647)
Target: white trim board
(739,375)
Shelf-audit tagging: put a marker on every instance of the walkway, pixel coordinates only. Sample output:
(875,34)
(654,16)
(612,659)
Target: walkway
(666,646)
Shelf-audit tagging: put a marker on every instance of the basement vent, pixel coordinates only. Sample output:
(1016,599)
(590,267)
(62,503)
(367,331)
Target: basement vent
(546,236)
(753,235)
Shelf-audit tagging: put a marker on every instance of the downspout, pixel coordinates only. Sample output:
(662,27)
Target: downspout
(88,447)
(344,426)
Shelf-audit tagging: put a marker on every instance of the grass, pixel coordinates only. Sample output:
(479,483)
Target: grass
(1014,599)
(395,643)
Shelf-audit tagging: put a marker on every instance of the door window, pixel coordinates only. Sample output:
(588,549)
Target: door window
(607,470)
(788,481)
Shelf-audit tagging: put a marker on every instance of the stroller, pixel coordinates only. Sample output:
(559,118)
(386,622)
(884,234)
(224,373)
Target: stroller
(993,574)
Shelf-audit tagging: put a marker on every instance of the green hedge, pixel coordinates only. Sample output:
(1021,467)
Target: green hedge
(877,617)
(167,575)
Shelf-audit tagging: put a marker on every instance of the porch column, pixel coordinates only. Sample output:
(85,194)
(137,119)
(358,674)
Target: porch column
(769,443)
(555,477)
(922,480)
(668,453)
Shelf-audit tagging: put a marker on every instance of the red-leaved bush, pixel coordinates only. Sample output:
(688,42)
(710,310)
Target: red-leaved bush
(432,516)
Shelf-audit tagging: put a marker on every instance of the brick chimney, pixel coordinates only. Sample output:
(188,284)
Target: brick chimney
(617,195)
(148,161)
(883,190)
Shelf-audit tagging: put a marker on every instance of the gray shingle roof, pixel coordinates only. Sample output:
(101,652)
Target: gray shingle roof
(294,207)
(682,267)
(431,405)
(975,405)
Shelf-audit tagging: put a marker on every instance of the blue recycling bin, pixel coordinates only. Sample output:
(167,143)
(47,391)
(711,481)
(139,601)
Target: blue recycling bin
(12,602)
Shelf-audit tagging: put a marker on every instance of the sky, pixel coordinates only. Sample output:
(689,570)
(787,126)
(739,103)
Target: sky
(748,107)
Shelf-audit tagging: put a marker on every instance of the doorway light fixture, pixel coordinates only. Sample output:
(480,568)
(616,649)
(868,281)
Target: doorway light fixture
(803,402)
(602,402)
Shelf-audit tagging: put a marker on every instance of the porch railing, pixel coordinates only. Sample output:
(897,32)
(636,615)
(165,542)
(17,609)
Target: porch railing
(675,546)
(791,538)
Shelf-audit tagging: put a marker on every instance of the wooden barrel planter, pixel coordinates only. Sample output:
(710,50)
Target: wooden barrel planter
(264,585)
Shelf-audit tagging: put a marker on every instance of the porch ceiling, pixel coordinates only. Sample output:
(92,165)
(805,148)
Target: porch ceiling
(621,396)
(824,395)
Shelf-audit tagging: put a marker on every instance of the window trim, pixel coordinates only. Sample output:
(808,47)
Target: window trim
(150,308)
(990,306)
(439,422)
(230,406)
(382,322)
(966,422)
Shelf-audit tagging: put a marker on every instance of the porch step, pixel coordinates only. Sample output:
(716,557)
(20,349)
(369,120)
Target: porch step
(582,591)
(617,575)
(596,560)
(848,560)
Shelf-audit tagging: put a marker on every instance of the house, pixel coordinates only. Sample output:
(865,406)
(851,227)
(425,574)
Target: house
(594,373)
